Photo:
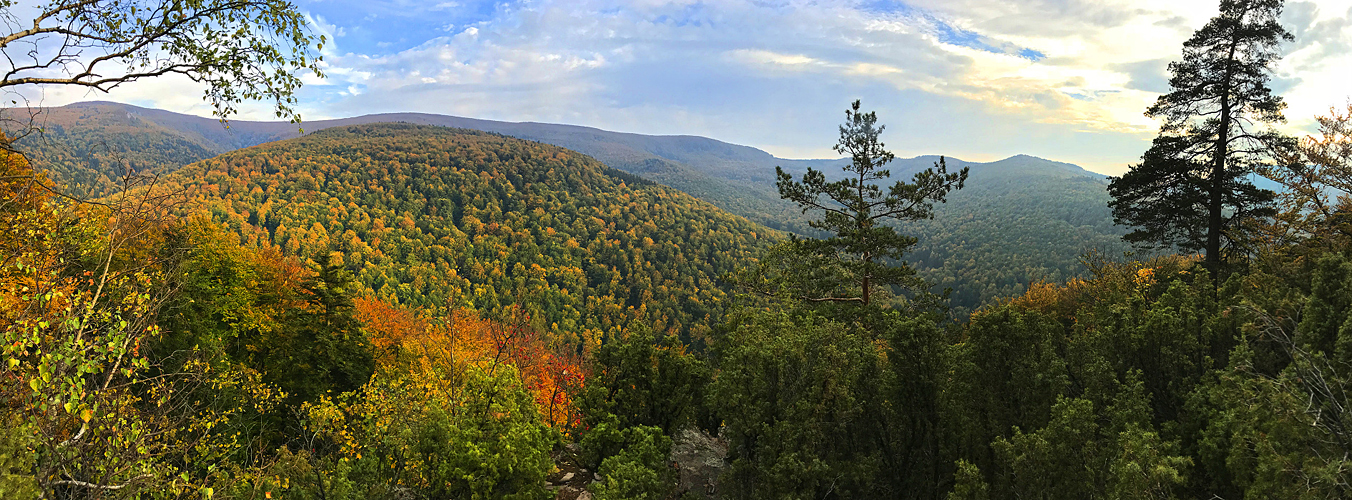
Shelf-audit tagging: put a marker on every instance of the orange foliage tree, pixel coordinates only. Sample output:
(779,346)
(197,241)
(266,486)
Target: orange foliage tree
(408,342)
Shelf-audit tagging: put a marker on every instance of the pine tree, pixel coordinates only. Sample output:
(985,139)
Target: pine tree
(320,348)
(856,207)
(1191,188)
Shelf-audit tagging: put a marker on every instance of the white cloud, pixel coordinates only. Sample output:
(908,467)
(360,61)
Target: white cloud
(330,31)
(668,67)
(583,61)
(1319,65)
(977,79)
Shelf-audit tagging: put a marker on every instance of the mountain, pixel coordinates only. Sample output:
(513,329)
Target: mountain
(84,145)
(1018,220)
(443,218)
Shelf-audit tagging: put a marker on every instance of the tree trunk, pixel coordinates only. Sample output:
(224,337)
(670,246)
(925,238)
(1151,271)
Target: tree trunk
(1215,223)
(866,286)
(1214,220)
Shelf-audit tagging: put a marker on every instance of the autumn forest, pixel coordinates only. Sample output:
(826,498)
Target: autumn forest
(443,308)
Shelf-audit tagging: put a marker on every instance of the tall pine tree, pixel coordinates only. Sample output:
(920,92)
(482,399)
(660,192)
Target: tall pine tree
(856,208)
(1191,188)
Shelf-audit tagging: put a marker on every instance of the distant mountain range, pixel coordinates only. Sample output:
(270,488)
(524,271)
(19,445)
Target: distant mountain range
(1019,220)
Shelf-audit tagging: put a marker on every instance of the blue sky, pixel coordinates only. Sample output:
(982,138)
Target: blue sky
(974,79)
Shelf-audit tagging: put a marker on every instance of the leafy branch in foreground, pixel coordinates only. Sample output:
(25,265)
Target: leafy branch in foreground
(240,49)
(80,291)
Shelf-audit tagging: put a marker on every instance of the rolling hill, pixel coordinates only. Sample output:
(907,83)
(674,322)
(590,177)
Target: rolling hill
(444,218)
(105,136)
(1019,220)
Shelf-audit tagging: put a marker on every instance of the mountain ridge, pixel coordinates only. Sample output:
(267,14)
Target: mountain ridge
(1019,220)
(248,133)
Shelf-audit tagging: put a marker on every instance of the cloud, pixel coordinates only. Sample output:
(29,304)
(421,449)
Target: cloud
(686,65)
(1313,74)
(905,49)
(1065,79)
(1151,75)
(329,31)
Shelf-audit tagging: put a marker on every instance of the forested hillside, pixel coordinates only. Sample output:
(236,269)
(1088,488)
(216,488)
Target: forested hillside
(87,146)
(86,149)
(438,217)
(1019,221)
(236,357)
(400,311)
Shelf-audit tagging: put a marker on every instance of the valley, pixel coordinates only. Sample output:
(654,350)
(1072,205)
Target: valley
(430,306)
(1019,221)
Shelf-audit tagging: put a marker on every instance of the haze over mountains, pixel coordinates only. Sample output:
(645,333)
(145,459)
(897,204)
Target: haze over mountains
(1019,220)
(689,163)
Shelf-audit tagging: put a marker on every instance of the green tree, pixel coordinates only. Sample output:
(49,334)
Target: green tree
(968,484)
(322,347)
(1007,371)
(239,49)
(855,209)
(1191,188)
(798,395)
(1088,449)
(1288,434)
(639,470)
(469,433)
(641,390)
(645,381)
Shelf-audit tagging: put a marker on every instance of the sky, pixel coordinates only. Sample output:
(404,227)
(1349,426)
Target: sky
(979,80)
